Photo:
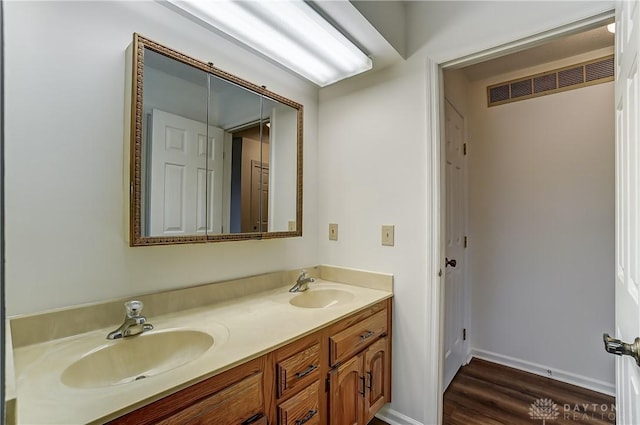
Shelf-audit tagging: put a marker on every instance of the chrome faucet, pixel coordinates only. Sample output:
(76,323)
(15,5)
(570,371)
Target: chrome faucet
(302,284)
(134,322)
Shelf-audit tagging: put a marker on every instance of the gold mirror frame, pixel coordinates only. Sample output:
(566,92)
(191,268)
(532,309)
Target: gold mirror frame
(136,76)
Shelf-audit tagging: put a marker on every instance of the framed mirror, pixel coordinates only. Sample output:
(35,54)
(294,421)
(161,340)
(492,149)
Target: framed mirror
(213,157)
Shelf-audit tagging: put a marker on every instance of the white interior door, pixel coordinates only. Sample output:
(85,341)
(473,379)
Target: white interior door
(627,207)
(186,191)
(454,350)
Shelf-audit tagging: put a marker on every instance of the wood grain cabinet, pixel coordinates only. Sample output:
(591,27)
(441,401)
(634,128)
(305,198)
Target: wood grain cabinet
(361,384)
(298,368)
(338,375)
(377,374)
(303,408)
(235,397)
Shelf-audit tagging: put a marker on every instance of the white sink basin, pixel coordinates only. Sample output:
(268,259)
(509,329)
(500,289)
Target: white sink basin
(137,357)
(321,298)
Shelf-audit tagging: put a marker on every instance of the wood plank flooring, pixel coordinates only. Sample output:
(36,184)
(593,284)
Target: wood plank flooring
(485,393)
(489,394)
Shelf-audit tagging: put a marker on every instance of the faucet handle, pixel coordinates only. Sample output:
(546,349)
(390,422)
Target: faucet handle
(133,308)
(303,274)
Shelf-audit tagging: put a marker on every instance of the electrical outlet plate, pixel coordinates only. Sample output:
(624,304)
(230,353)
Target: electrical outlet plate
(387,234)
(333,232)
(292,226)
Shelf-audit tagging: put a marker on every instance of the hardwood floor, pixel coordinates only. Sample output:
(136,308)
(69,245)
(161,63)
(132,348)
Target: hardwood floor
(487,393)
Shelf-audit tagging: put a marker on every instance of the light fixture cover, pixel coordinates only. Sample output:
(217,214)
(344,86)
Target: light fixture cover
(289,32)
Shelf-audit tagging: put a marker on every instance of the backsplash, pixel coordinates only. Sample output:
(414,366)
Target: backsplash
(61,323)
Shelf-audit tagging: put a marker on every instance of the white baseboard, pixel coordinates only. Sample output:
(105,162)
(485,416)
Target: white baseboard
(537,369)
(393,417)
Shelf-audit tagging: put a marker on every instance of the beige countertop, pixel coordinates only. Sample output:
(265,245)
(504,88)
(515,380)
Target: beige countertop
(243,328)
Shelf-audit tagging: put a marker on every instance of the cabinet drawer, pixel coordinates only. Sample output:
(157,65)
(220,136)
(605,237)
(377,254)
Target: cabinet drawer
(240,403)
(298,370)
(360,335)
(303,408)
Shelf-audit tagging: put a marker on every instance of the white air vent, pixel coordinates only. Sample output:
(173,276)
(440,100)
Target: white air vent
(562,79)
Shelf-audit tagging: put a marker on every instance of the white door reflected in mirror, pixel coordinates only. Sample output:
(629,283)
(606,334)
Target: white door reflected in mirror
(214,157)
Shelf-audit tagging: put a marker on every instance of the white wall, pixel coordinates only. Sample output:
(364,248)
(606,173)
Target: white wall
(64,96)
(388,17)
(372,158)
(446,30)
(541,219)
(374,142)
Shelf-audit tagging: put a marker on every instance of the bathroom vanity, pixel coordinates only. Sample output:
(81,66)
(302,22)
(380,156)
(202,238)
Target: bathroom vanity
(240,352)
(339,374)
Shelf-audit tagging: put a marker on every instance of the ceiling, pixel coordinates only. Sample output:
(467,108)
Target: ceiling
(560,48)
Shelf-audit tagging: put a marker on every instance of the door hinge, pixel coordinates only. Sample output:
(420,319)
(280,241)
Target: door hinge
(464,148)
(464,334)
(466,242)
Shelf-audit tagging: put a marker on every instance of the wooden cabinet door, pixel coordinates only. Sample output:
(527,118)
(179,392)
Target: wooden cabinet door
(346,393)
(377,377)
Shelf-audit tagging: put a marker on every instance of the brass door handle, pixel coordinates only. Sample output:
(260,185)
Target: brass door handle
(451,262)
(619,348)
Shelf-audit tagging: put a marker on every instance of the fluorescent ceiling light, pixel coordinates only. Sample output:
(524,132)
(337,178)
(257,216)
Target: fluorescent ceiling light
(289,32)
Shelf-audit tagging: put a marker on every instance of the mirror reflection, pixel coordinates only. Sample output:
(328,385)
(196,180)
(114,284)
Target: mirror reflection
(219,157)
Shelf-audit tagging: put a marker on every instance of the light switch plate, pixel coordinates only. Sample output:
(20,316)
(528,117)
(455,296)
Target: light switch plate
(333,231)
(387,234)
(292,226)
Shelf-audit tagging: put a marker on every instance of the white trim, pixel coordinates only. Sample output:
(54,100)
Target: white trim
(393,417)
(469,357)
(435,245)
(542,370)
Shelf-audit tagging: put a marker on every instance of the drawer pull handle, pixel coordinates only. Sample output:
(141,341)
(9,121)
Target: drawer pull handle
(370,380)
(364,386)
(308,416)
(255,418)
(367,334)
(307,371)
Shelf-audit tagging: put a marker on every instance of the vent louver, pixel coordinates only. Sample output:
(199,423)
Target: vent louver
(499,93)
(572,77)
(521,88)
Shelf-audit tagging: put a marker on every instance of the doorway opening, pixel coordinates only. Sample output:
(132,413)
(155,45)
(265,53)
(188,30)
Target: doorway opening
(527,219)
